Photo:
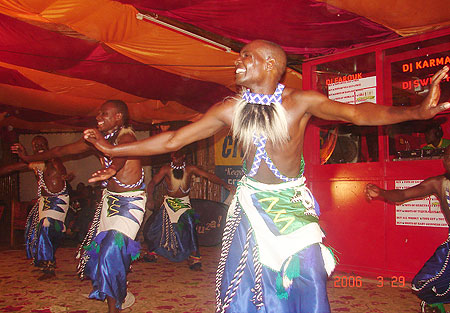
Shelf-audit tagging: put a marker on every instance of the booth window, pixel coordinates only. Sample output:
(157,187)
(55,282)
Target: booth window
(351,80)
(409,70)
(418,140)
(341,143)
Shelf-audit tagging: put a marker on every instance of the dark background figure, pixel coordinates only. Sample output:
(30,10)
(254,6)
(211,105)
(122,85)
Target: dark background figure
(2,209)
(171,231)
(45,228)
(83,208)
(434,137)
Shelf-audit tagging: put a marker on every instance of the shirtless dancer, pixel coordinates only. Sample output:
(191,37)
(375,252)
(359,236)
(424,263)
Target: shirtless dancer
(120,213)
(433,280)
(272,264)
(172,234)
(45,223)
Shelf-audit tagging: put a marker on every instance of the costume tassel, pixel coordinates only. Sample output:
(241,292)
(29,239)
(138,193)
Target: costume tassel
(134,249)
(92,246)
(292,271)
(439,306)
(281,292)
(135,257)
(329,259)
(118,239)
(57,226)
(289,271)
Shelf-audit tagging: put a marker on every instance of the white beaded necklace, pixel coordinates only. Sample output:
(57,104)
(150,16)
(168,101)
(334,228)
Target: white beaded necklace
(178,167)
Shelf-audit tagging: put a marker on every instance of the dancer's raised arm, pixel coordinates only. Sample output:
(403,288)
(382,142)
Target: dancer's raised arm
(216,118)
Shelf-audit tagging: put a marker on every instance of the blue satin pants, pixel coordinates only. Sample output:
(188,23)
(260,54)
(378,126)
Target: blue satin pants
(307,294)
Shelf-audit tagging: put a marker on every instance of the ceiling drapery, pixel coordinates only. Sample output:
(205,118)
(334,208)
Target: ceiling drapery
(60,59)
(304,27)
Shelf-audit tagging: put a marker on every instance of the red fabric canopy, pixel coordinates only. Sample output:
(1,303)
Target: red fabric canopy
(32,47)
(304,27)
(60,59)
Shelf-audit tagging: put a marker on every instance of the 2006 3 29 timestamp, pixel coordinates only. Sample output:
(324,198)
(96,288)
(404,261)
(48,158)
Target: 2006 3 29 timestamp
(393,281)
(351,281)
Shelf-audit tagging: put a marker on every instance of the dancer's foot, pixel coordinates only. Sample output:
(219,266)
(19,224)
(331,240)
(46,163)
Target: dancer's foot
(150,257)
(47,275)
(129,301)
(48,267)
(112,305)
(196,267)
(195,263)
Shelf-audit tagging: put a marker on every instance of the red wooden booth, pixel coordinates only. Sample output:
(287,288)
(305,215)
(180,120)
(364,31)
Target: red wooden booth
(378,239)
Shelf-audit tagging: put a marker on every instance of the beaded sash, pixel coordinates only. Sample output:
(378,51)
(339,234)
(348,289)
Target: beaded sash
(108,163)
(42,185)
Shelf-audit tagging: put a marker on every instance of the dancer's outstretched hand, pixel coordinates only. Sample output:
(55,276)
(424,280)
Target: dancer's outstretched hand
(19,149)
(372,191)
(430,106)
(95,137)
(102,174)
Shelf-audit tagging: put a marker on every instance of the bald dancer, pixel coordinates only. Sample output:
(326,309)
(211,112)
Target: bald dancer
(45,223)
(110,242)
(172,233)
(272,257)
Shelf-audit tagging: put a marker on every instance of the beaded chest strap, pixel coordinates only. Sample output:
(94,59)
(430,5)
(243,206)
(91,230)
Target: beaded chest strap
(42,185)
(108,163)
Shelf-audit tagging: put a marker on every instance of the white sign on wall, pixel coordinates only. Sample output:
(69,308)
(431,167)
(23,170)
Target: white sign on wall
(354,91)
(422,212)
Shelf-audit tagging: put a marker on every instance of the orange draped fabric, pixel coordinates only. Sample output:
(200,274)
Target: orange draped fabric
(114,25)
(158,57)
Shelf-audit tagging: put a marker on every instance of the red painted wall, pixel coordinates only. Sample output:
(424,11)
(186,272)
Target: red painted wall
(364,234)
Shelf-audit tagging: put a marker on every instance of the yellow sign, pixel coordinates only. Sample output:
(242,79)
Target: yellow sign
(226,150)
